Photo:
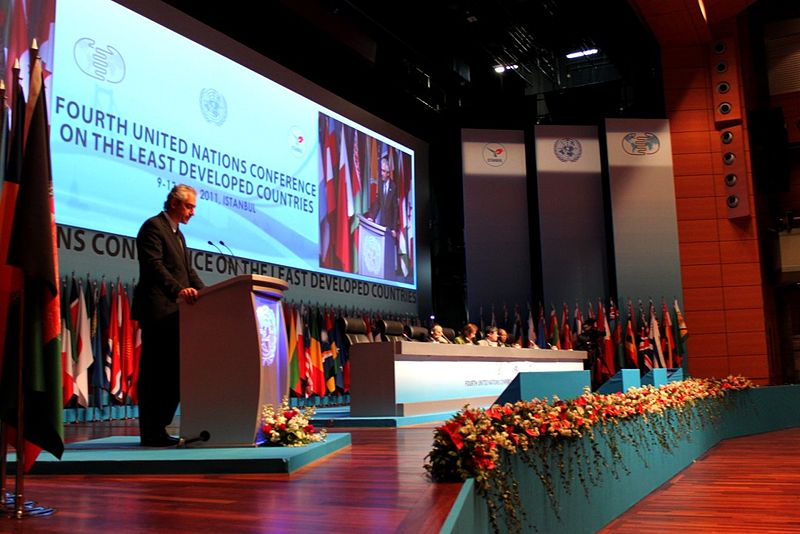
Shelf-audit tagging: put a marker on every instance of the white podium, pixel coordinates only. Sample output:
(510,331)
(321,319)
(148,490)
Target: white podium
(233,359)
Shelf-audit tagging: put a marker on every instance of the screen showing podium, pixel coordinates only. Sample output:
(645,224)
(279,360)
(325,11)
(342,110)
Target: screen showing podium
(233,359)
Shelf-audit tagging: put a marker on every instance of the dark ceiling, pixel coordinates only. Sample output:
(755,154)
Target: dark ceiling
(416,63)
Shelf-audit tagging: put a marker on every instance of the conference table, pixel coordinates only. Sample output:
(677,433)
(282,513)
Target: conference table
(405,378)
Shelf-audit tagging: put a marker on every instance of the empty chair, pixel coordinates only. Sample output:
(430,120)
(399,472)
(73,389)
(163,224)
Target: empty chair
(390,330)
(355,330)
(417,333)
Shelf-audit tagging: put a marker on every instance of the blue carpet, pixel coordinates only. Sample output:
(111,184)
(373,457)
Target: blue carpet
(123,455)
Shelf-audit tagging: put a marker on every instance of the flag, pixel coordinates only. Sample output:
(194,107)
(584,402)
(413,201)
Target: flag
(328,360)
(566,334)
(11,169)
(315,351)
(531,329)
(655,339)
(67,346)
(302,366)
(126,341)
(681,335)
(541,329)
(336,349)
(605,344)
(669,337)
(311,387)
(327,198)
(577,324)
(645,348)
(631,351)
(616,335)
(344,209)
(133,387)
(294,361)
(83,357)
(555,331)
(33,249)
(113,351)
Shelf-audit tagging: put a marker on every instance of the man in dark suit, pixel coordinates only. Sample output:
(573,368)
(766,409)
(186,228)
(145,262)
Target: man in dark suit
(385,212)
(165,276)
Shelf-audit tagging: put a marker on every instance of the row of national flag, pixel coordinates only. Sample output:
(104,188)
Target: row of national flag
(319,364)
(645,339)
(101,344)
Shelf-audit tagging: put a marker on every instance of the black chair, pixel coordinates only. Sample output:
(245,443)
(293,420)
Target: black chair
(449,333)
(417,333)
(390,330)
(354,329)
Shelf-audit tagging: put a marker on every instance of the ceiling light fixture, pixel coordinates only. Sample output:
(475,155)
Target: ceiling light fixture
(582,53)
(500,69)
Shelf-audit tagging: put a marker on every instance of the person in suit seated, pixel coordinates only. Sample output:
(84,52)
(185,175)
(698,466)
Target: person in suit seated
(166,276)
(437,335)
(490,338)
(502,338)
(468,334)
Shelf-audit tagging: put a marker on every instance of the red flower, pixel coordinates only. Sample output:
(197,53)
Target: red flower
(266,429)
(451,429)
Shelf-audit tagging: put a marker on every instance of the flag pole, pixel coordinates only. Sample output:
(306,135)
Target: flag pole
(4,495)
(22,508)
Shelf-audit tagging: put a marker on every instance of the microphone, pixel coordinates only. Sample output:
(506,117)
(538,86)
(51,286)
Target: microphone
(233,257)
(216,247)
(202,436)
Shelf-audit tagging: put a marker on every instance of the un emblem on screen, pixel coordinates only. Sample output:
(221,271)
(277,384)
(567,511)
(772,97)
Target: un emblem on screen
(267,332)
(567,149)
(213,106)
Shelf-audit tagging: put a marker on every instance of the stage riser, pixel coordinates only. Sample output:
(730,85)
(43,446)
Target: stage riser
(753,412)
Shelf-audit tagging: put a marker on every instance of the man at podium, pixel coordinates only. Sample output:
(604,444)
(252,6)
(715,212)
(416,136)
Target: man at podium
(165,276)
(384,211)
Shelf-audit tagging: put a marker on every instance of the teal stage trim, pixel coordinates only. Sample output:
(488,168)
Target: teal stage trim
(655,377)
(528,386)
(120,455)
(340,418)
(753,411)
(622,382)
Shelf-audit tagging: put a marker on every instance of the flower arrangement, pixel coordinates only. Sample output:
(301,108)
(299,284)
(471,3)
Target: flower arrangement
(288,427)
(482,443)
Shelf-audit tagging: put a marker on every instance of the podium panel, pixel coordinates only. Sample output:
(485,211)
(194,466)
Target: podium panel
(371,245)
(233,359)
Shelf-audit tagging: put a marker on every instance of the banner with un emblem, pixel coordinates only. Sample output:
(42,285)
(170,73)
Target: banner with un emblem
(571,213)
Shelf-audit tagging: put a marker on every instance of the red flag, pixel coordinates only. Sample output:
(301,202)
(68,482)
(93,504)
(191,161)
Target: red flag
(605,345)
(126,342)
(344,209)
(114,355)
(566,334)
(670,350)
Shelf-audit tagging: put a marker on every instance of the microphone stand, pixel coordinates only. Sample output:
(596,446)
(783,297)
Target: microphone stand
(233,257)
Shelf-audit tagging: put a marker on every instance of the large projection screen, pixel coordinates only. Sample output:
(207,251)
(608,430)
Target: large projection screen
(283,169)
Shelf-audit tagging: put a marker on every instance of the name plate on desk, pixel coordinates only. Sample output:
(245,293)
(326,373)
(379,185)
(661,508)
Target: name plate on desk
(402,379)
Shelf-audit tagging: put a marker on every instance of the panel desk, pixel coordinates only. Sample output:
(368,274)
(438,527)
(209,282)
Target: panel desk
(400,379)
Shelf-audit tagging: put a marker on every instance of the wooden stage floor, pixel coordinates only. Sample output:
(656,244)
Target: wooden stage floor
(378,485)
